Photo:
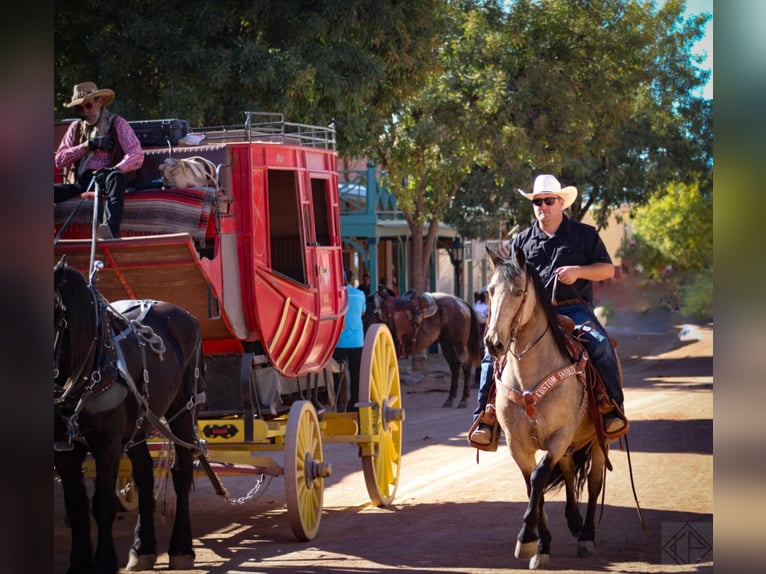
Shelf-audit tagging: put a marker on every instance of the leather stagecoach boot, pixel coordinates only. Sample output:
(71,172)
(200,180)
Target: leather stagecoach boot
(482,434)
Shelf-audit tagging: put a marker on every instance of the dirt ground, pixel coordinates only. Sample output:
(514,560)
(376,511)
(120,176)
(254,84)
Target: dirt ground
(451,514)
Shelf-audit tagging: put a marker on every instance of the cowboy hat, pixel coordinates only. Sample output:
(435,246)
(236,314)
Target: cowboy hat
(549,185)
(88,90)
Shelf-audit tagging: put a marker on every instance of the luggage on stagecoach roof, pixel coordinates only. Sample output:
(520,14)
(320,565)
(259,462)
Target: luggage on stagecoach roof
(157,133)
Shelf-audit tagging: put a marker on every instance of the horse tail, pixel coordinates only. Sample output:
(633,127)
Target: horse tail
(582,463)
(475,349)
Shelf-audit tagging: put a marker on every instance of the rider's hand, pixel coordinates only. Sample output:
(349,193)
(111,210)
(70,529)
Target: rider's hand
(105,143)
(567,274)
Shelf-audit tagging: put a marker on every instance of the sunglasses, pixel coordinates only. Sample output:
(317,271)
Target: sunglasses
(547,200)
(85,106)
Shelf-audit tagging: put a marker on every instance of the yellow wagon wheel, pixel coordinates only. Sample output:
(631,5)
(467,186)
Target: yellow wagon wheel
(381,460)
(127,494)
(305,470)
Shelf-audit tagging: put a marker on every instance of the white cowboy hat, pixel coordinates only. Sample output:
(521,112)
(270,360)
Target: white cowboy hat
(88,90)
(549,185)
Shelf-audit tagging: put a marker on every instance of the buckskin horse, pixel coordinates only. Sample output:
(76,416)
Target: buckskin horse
(417,321)
(543,403)
(118,368)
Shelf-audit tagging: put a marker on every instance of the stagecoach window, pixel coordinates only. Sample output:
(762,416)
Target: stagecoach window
(285,225)
(321,211)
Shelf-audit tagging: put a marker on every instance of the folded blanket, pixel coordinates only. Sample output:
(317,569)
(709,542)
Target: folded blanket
(147,212)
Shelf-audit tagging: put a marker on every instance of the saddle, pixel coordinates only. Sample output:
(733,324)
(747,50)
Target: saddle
(407,313)
(599,402)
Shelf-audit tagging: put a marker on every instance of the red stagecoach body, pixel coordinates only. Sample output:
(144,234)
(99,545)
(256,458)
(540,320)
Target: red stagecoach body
(257,258)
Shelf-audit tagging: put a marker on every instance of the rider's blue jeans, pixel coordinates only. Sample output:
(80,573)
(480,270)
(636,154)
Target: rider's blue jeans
(595,341)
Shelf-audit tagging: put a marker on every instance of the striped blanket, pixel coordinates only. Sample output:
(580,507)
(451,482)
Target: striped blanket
(147,212)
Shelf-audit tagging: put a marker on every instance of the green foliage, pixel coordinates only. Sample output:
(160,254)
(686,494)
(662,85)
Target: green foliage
(347,61)
(697,297)
(676,228)
(600,93)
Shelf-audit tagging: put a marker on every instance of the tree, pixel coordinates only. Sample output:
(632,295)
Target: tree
(600,93)
(675,228)
(430,143)
(344,61)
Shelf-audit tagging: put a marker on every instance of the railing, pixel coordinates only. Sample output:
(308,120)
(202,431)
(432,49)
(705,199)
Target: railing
(271,127)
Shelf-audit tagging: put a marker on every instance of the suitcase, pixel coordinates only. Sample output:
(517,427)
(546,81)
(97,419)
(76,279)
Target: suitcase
(160,133)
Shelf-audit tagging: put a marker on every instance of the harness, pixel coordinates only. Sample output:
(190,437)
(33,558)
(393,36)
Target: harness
(96,393)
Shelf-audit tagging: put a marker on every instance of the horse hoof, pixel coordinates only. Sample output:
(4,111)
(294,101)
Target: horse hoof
(137,562)
(181,562)
(540,562)
(462,405)
(525,550)
(447,404)
(586,548)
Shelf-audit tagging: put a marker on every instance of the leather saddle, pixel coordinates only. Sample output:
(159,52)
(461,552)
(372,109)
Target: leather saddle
(407,313)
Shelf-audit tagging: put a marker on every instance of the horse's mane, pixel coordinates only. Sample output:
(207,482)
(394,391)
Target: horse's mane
(80,312)
(508,269)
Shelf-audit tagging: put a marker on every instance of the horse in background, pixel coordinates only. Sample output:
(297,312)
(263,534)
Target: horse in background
(118,368)
(417,321)
(544,401)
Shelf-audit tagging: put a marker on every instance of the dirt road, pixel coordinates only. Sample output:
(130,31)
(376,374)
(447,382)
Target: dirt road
(454,515)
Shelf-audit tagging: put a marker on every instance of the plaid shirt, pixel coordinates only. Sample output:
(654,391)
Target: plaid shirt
(69,151)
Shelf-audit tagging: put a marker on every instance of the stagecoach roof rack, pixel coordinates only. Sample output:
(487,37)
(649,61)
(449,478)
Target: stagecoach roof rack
(271,127)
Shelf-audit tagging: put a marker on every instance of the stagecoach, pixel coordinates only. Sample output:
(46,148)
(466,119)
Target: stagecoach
(255,255)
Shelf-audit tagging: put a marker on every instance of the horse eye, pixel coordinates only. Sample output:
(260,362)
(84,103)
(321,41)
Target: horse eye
(519,292)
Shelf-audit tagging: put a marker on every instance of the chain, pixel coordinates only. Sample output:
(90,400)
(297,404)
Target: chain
(254,492)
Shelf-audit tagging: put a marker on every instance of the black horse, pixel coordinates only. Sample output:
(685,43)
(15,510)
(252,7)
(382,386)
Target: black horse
(118,368)
(418,321)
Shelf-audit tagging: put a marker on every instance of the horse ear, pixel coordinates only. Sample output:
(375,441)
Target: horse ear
(61,263)
(494,257)
(521,259)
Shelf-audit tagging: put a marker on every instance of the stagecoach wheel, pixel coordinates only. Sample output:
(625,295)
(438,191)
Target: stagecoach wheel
(127,494)
(379,384)
(305,470)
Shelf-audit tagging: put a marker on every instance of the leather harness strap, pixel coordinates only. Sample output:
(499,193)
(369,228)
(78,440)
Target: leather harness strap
(528,399)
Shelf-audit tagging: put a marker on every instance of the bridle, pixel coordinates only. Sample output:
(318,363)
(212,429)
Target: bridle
(515,326)
(61,327)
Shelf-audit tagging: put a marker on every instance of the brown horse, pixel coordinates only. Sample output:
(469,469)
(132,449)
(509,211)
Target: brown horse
(417,321)
(542,403)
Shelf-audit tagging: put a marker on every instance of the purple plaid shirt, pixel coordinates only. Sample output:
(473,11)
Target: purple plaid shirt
(69,151)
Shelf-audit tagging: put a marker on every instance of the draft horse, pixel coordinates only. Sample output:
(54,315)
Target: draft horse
(117,369)
(451,322)
(542,403)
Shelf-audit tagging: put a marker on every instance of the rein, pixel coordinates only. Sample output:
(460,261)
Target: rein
(515,326)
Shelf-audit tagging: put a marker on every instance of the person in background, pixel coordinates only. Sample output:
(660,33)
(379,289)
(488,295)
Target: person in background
(351,341)
(365,286)
(100,144)
(383,286)
(569,256)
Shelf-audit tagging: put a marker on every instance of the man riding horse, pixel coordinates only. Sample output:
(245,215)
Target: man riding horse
(568,256)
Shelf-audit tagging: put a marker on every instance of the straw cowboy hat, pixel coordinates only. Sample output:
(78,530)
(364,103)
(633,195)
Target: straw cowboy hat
(549,185)
(88,90)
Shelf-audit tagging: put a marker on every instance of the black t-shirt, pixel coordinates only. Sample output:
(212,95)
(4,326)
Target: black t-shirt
(574,243)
